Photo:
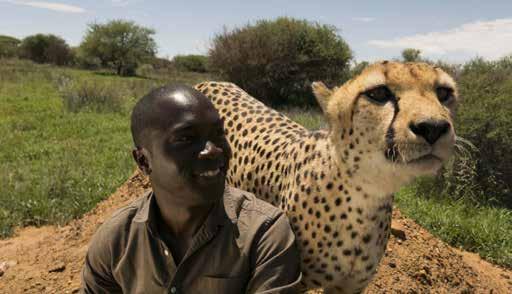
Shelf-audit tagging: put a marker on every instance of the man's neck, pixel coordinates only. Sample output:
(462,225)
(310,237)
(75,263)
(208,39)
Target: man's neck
(179,219)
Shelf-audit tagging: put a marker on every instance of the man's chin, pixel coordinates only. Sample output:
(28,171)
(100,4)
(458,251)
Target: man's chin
(210,189)
(208,181)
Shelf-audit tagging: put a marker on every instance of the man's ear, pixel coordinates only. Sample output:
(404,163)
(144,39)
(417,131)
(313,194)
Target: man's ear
(322,94)
(143,160)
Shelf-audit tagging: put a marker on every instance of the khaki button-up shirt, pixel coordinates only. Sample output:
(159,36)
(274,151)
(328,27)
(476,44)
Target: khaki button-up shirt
(245,246)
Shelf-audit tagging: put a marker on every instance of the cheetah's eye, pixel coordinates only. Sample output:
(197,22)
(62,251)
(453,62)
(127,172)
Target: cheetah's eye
(380,94)
(444,94)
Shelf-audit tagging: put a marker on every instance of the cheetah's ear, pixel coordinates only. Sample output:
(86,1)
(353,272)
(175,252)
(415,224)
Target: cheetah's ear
(322,94)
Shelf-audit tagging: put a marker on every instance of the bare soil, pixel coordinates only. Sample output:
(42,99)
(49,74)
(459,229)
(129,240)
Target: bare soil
(49,259)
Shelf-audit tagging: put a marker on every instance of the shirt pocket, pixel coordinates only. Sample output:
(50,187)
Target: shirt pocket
(214,285)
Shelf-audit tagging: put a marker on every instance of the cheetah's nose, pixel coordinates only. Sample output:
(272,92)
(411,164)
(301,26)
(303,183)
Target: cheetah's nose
(430,130)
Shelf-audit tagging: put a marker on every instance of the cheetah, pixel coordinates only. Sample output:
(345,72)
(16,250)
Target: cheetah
(388,125)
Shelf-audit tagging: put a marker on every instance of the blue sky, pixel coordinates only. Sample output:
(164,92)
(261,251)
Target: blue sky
(450,30)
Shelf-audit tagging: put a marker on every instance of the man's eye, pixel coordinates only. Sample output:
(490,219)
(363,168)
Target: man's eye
(184,139)
(380,94)
(444,94)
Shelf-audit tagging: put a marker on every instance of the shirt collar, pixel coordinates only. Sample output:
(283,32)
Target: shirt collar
(226,210)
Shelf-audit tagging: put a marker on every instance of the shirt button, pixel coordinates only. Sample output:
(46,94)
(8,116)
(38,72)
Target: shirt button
(174,290)
(167,254)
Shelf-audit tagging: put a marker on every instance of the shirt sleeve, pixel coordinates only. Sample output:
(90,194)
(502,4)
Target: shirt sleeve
(97,274)
(276,259)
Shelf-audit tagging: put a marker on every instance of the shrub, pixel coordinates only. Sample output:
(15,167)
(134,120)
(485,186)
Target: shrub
(411,54)
(90,95)
(195,63)
(276,61)
(161,63)
(484,120)
(8,46)
(84,61)
(145,70)
(357,68)
(46,49)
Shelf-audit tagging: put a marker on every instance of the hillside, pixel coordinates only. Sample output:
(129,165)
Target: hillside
(49,259)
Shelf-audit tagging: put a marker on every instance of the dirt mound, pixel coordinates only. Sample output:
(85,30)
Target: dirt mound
(49,259)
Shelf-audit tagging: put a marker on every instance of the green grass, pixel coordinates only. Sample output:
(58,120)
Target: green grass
(56,165)
(310,118)
(486,230)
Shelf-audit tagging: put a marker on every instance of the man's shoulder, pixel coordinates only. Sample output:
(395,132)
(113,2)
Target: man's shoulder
(246,207)
(117,227)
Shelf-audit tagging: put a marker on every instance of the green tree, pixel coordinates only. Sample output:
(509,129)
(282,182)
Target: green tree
(49,48)
(8,46)
(277,60)
(411,55)
(196,63)
(357,68)
(121,45)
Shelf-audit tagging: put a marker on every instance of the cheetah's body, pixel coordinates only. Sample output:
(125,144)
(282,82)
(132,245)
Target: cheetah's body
(340,215)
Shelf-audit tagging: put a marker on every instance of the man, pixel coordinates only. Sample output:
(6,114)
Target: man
(190,234)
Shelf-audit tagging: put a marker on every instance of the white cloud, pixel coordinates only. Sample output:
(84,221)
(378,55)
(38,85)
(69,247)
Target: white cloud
(489,39)
(49,5)
(119,2)
(363,19)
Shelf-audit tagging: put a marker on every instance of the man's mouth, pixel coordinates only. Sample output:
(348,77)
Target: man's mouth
(210,173)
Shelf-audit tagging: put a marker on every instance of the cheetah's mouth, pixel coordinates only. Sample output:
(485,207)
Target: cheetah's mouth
(427,158)
(422,158)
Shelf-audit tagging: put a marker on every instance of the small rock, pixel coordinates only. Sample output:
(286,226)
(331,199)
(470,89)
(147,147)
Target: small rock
(423,277)
(398,233)
(3,268)
(57,268)
(392,265)
(506,276)
(5,265)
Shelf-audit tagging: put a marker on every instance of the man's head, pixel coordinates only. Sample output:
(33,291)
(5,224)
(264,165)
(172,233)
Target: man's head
(180,143)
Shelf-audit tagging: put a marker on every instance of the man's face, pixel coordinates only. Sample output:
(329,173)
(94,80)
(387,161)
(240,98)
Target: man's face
(189,156)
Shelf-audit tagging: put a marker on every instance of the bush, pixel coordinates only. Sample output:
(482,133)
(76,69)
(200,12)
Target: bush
(46,49)
(411,55)
(161,63)
(485,120)
(145,70)
(8,46)
(84,61)
(195,63)
(357,68)
(276,61)
(91,95)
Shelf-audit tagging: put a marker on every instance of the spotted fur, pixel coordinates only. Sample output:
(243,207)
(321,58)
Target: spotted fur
(337,185)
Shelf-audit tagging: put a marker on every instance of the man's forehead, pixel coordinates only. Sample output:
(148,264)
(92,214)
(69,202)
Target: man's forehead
(175,115)
(191,121)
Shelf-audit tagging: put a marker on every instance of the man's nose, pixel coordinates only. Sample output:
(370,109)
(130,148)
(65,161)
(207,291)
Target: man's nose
(210,151)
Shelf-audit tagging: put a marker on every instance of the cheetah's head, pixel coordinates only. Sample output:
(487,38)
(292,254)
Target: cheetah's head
(393,118)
